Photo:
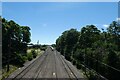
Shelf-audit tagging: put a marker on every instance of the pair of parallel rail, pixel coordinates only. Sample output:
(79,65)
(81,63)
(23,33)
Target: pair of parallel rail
(42,61)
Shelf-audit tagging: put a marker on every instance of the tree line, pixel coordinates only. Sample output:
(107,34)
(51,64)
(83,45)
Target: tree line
(14,42)
(92,50)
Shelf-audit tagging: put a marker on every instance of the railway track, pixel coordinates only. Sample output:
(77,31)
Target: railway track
(50,65)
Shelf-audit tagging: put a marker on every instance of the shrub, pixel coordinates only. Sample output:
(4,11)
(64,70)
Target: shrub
(19,59)
(78,66)
(34,53)
(74,62)
(30,56)
(25,58)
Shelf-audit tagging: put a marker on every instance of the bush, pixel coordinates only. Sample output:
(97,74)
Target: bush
(25,58)
(74,62)
(78,66)
(30,56)
(92,76)
(19,59)
(34,53)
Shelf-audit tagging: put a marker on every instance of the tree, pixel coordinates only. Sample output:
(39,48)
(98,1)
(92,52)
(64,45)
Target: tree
(114,34)
(96,50)
(15,39)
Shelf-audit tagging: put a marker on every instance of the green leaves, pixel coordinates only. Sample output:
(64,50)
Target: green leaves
(92,48)
(34,53)
(15,39)
(25,34)
(30,56)
(65,43)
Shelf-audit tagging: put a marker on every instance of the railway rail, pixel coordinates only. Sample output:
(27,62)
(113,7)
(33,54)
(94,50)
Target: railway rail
(50,65)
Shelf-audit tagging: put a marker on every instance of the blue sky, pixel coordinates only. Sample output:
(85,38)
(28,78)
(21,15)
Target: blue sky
(48,20)
(60,0)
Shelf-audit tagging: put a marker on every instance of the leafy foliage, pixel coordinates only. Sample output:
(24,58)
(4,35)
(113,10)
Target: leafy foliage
(15,39)
(95,49)
(34,53)
(30,56)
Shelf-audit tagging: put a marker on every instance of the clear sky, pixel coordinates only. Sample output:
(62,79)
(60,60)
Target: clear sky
(60,0)
(48,20)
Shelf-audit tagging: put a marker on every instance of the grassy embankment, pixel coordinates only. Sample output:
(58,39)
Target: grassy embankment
(30,55)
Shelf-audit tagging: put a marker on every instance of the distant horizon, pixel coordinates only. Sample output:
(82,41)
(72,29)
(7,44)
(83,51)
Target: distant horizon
(48,20)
